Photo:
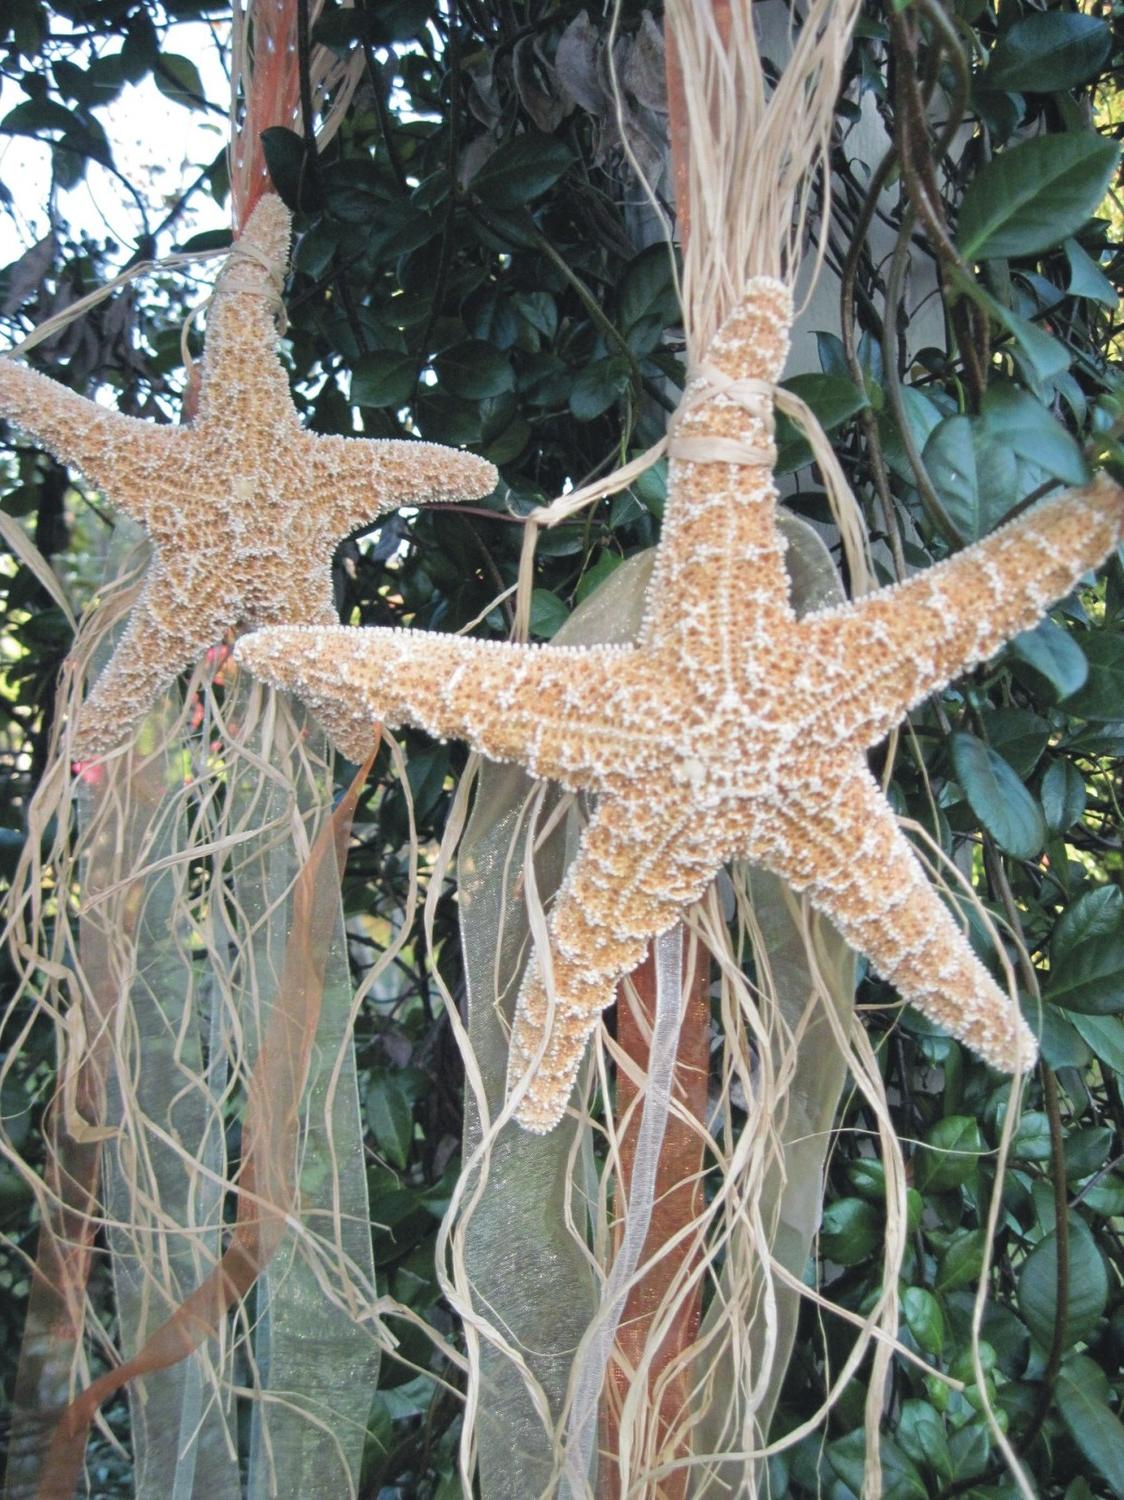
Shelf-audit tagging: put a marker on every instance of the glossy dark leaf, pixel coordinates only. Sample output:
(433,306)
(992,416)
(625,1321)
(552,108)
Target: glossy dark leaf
(1102,697)
(1034,195)
(597,387)
(1105,1036)
(850,1230)
(832,398)
(648,289)
(521,170)
(1093,1426)
(1048,50)
(1087,1286)
(949,1155)
(923,1438)
(900,1477)
(997,797)
(474,370)
(178,79)
(1087,954)
(1086,279)
(1053,657)
(924,1319)
(1062,795)
(383,378)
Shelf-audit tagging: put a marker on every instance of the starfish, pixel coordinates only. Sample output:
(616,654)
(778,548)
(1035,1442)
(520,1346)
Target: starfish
(243,508)
(731,729)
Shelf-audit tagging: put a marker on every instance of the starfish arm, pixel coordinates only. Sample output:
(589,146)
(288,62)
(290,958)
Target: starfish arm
(854,863)
(511,702)
(361,479)
(720,567)
(242,376)
(152,652)
(105,445)
(882,655)
(631,879)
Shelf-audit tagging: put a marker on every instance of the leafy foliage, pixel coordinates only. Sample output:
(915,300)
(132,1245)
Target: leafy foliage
(469,268)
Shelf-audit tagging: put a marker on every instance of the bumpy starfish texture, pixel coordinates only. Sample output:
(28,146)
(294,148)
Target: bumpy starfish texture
(243,508)
(731,729)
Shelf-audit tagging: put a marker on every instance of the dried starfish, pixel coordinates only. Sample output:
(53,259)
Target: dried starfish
(731,729)
(243,508)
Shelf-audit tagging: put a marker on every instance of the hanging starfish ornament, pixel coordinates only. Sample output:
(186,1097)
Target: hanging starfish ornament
(731,729)
(243,508)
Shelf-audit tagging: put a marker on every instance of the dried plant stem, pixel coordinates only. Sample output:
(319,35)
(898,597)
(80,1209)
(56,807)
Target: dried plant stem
(678,1200)
(679,1174)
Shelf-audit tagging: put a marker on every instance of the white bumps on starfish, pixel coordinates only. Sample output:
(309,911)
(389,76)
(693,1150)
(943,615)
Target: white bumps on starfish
(243,507)
(731,729)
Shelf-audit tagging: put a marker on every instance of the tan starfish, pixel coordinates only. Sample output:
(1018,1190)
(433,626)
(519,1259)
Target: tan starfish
(243,507)
(731,729)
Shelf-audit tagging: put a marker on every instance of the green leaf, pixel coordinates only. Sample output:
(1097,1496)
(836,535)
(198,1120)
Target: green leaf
(1058,1041)
(648,289)
(1086,279)
(962,1261)
(426,772)
(178,79)
(1014,418)
(594,577)
(970,1450)
(598,386)
(390,1112)
(1048,50)
(540,310)
(1078,1489)
(286,156)
(921,1433)
(833,399)
(997,797)
(1105,1035)
(1062,795)
(35,115)
(1031,1141)
(921,416)
(850,1231)
(1034,195)
(1102,697)
(1086,1151)
(976,480)
(924,1319)
(340,28)
(548,613)
(383,378)
(1019,736)
(1046,356)
(474,370)
(1105,1196)
(900,1477)
(398,20)
(1087,954)
(1087,1286)
(521,170)
(1053,657)
(1096,1430)
(949,1154)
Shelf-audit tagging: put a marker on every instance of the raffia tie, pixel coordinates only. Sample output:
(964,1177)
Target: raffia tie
(758,398)
(243,285)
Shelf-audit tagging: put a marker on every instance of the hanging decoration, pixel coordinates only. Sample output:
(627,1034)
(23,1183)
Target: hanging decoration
(731,730)
(242,507)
